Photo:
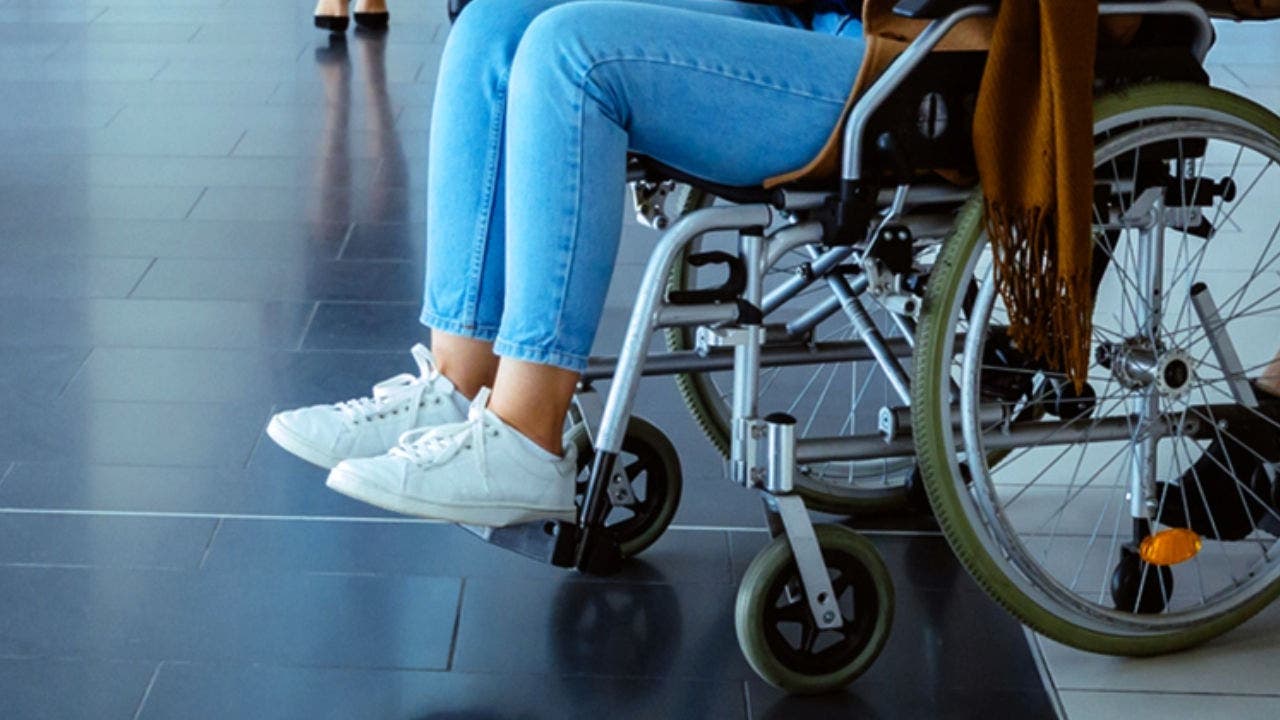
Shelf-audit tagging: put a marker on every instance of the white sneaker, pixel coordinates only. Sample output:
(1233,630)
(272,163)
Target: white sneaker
(476,472)
(370,426)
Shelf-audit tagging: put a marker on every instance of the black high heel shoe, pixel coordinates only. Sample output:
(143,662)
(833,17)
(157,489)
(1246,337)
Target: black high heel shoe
(373,20)
(333,23)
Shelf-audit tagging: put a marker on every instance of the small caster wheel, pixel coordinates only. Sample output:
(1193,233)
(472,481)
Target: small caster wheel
(650,462)
(777,632)
(1139,587)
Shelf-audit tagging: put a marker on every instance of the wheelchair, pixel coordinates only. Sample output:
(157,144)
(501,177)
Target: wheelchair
(845,345)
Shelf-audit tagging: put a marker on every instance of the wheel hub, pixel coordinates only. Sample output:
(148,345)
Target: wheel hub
(1137,363)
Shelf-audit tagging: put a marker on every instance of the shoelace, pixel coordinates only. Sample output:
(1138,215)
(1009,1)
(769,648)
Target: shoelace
(439,444)
(394,388)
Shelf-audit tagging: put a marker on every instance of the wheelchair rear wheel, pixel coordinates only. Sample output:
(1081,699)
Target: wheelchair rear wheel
(1139,516)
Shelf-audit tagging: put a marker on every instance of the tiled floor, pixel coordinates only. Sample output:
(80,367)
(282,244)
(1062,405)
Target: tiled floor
(207,212)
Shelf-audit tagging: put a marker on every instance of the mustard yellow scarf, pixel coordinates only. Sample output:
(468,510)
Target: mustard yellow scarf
(1033,139)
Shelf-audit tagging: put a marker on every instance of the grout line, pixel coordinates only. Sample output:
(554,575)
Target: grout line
(199,197)
(115,115)
(232,151)
(376,519)
(145,272)
(79,369)
(306,327)
(209,545)
(146,694)
(728,554)
(164,66)
(1046,676)
(346,240)
(257,441)
(457,624)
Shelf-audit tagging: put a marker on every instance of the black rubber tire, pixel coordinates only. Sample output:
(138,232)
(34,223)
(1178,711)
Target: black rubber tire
(859,563)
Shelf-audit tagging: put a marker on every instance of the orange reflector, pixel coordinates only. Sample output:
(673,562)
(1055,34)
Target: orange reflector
(1170,547)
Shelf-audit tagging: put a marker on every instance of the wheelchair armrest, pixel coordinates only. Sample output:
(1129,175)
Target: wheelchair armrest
(934,9)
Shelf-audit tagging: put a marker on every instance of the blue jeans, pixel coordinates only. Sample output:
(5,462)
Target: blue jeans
(536,106)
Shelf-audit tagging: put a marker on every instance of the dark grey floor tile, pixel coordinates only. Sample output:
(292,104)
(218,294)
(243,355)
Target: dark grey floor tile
(201,279)
(365,326)
(57,689)
(137,171)
(285,486)
(184,434)
(66,113)
(591,628)
(38,373)
(212,93)
(297,239)
(905,699)
(262,142)
(175,48)
(313,92)
(942,639)
(438,549)
(70,277)
(340,205)
(110,71)
(195,691)
(386,241)
(103,540)
(314,620)
(152,323)
(281,378)
(37,204)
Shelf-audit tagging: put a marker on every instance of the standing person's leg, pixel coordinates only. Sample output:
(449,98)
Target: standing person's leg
(732,100)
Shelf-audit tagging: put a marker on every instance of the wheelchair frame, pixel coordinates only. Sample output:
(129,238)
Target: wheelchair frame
(731,334)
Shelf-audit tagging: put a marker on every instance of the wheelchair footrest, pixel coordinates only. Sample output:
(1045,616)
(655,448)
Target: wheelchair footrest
(548,541)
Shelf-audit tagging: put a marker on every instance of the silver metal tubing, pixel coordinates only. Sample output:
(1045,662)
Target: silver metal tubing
(691,315)
(825,263)
(789,238)
(1223,349)
(743,446)
(804,199)
(1190,10)
(781,454)
(855,130)
(1040,434)
(722,358)
(870,335)
(1145,404)
(816,314)
(631,359)
(927,195)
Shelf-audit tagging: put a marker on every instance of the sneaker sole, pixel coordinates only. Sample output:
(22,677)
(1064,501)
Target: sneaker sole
(296,445)
(486,515)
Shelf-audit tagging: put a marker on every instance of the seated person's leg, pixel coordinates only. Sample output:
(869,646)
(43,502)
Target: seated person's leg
(732,100)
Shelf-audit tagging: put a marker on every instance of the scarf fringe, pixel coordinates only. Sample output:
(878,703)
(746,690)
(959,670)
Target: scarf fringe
(1050,312)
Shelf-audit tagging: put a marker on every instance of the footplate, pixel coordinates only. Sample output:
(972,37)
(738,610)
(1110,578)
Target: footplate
(547,541)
